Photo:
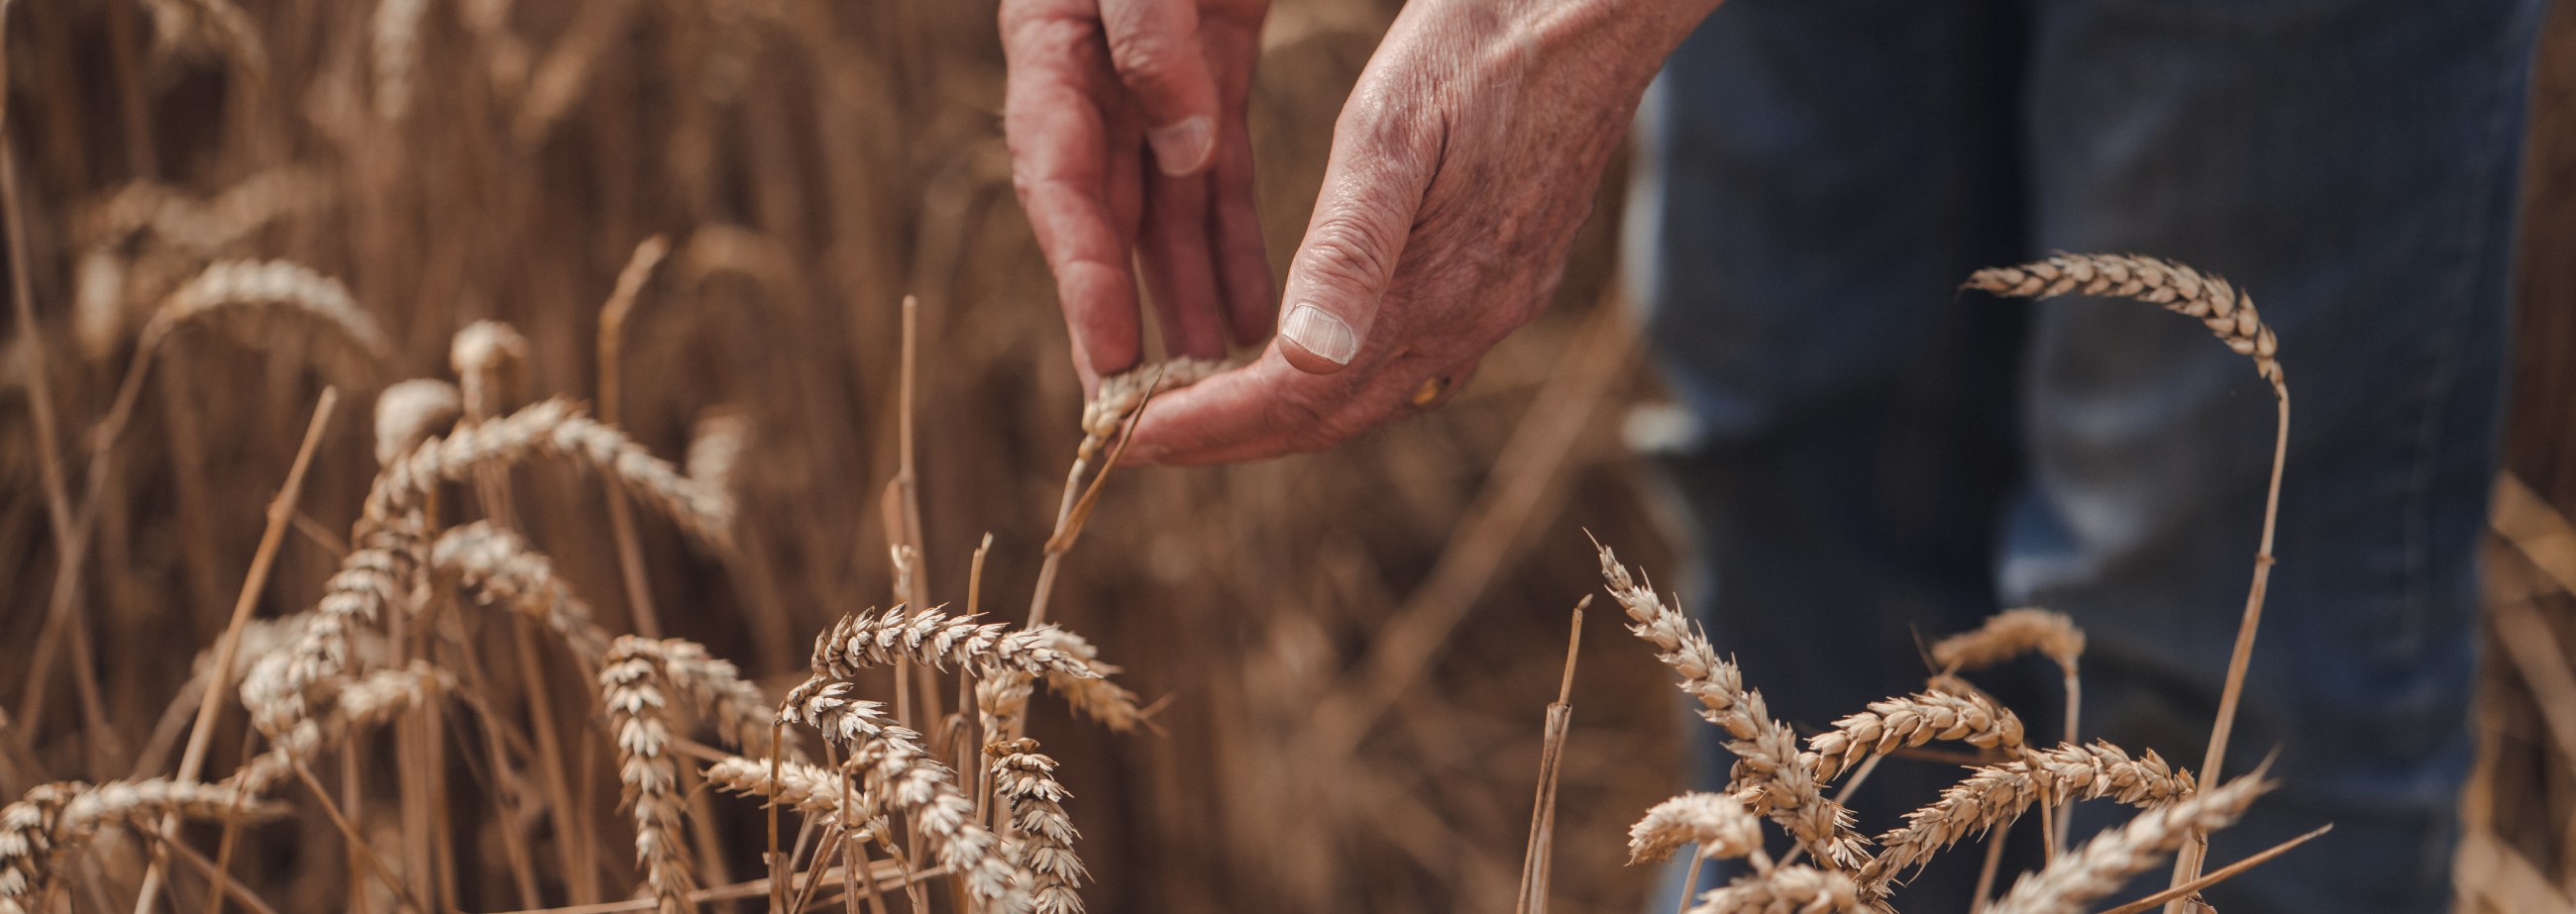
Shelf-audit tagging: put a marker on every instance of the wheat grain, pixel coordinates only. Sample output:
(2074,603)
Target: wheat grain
(1792,889)
(1994,796)
(1912,721)
(1721,827)
(2107,862)
(1784,785)
(2227,312)
(500,568)
(630,679)
(2010,634)
(1025,780)
(409,412)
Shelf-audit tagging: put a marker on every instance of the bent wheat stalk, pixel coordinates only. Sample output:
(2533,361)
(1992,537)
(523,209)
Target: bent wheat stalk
(2230,315)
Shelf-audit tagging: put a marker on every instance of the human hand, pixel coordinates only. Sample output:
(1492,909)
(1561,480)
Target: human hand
(1461,168)
(1129,148)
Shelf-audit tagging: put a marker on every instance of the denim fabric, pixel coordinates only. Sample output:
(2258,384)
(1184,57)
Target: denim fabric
(1880,460)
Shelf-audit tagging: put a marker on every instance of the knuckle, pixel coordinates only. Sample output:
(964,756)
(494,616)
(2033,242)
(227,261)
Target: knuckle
(1148,62)
(1345,252)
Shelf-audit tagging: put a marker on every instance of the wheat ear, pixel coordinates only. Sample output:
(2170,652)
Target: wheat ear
(500,568)
(938,640)
(2230,314)
(2107,862)
(898,774)
(802,786)
(1911,721)
(55,820)
(1768,762)
(249,301)
(375,575)
(1025,781)
(557,429)
(1997,795)
(715,448)
(1792,889)
(361,704)
(2010,634)
(410,412)
(1721,827)
(630,683)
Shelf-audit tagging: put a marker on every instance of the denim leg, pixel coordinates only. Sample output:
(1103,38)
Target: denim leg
(1817,177)
(2352,164)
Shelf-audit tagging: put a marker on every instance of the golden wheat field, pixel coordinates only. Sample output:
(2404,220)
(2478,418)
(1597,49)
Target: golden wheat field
(610,455)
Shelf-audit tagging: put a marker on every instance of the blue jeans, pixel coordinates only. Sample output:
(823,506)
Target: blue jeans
(1879,460)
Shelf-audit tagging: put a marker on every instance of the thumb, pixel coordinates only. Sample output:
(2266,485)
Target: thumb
(1155,46)
(1373,187)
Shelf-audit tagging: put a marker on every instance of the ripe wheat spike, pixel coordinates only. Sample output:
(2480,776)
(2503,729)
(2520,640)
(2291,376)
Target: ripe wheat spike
(1721,827)
(2226,311)
(1768,761)
(1025,780)
(1911,721)
(1996,795)
(2107,862)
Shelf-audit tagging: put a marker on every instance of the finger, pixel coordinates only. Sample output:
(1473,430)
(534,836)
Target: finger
(1260,401)
(1372,188)
(1060,167)
(1242,255)
(1392,393)
(1155,47)
(1179,266)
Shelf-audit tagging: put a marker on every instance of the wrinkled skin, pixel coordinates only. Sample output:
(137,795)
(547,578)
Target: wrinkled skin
(1461,166)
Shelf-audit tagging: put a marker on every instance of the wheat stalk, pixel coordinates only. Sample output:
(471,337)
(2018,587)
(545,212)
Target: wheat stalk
(1025,781)
(2231,315)
(1768,762)
(1911,721)
(1993,796)
(1721,827)
(2107,862)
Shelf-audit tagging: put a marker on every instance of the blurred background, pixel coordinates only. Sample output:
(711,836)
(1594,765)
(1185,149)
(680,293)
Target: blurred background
(1356,648)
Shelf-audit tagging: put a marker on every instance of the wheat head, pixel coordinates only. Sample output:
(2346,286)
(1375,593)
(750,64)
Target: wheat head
(2107,862)
(1025,781)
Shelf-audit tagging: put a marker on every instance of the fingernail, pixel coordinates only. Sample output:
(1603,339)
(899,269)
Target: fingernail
(1321,333)
(1181,148)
